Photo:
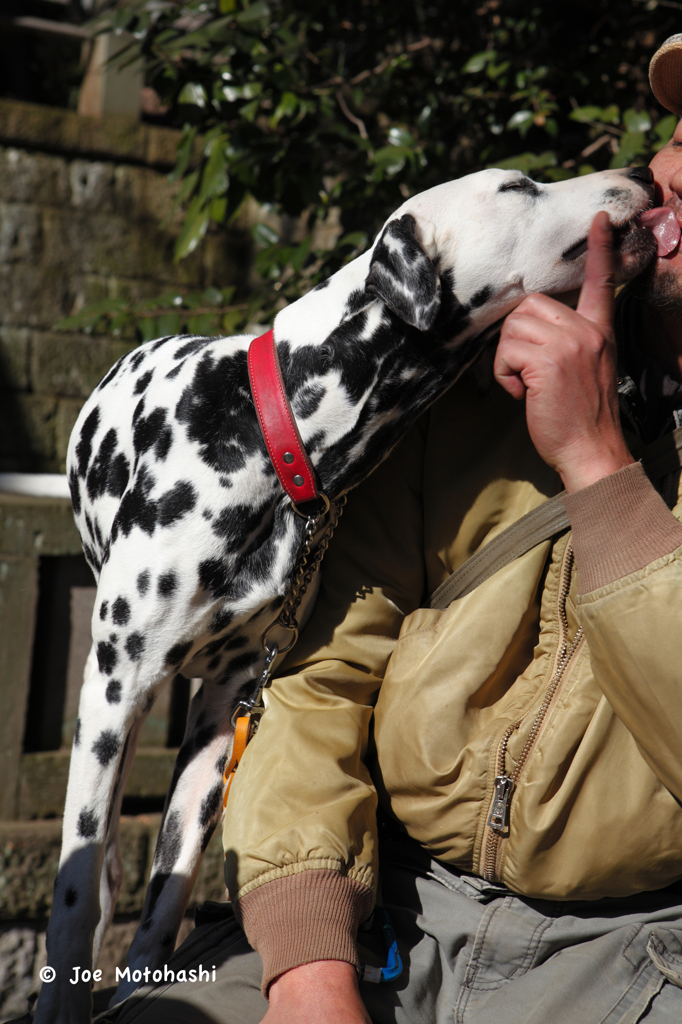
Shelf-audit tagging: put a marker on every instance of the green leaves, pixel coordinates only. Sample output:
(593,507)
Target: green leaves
(606,115)
(478,62)
(194,228)
(331,115)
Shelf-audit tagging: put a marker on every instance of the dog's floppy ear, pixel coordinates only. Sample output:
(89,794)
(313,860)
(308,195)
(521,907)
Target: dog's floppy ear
(403,276)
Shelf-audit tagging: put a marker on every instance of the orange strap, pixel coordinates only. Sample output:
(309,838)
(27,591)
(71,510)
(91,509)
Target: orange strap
(242,734)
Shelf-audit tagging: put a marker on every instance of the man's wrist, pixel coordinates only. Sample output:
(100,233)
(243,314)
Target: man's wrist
(586,469)
(335,973)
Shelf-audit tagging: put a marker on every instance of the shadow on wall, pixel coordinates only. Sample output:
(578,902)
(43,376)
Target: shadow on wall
(18,453)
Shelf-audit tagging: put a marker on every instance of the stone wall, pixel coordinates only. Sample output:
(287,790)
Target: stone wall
(81,205)
(29,855)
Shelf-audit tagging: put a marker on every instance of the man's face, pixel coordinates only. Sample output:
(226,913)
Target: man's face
(661,283)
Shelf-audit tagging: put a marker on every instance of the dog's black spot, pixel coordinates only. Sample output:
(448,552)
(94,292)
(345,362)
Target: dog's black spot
(322,284)
(74,488)
(242,662)
(218,413)
(212,577)
(103,609)
(167,939)
(616,194)
(167,584)
(172,374)
(142,383)
(213,663)
(84,446)
(137,359)
(70,897)
(213,647)
(149,703)
(482,296)
(176,503)
(221,620)
(120,612)
(107,658)
(163,445)
(113,692)
(178,652)
(118,476)
(192,346)
(77,733)
(138,411)
(206,837)
(169,844)
(107,473)
(356,300)
(162,341)
(91,557)
(236,522)
(235,642)
(143,581)
(113,638)
(308,401)
(210,805)
(106,747)
(88,823)
(108,377)
(138,509)
(150,431)
(135,644)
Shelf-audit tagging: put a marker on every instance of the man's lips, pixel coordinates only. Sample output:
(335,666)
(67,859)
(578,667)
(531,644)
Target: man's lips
(664,226)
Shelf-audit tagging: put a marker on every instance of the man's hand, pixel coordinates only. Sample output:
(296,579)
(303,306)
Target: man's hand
(564,363)
(323,992)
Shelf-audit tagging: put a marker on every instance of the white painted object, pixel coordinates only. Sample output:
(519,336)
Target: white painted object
(35,485)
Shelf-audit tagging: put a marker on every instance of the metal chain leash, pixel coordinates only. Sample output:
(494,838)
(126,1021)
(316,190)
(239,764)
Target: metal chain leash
(304,570)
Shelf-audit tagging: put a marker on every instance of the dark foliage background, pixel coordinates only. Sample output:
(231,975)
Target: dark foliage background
(357,105)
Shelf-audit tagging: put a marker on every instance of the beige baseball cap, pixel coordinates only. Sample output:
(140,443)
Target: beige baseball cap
(665,74)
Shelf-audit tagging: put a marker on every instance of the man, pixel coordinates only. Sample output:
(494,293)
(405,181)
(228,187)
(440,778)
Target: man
(555,685)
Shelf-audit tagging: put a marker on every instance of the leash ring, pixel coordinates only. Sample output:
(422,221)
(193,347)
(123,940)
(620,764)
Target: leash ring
(316,515)
(280,650)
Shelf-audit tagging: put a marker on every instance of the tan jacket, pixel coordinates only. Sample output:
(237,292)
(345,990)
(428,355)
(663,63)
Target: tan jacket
(569,683)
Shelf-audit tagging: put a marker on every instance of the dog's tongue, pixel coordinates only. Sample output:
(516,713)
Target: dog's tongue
(664,226)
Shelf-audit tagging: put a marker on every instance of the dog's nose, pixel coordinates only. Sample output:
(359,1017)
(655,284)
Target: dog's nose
(643,174)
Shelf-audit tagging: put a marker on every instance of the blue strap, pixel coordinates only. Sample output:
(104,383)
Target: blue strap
(394,965)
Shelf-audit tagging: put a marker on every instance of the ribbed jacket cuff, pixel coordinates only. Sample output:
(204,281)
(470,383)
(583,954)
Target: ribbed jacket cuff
(620,524)
(312,915)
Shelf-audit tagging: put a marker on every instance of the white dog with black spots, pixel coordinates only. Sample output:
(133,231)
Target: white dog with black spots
(193,540)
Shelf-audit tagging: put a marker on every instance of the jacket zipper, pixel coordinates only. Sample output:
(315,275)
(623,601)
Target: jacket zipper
(505,783)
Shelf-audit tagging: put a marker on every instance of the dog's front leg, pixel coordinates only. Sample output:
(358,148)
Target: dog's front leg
(193,808)
(111,878)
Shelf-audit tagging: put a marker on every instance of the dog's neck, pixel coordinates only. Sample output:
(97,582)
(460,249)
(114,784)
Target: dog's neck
(357,376)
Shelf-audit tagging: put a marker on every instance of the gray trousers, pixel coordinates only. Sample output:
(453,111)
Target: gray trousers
(473,953)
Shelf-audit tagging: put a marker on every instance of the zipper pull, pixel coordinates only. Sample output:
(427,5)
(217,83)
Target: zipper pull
(498,819)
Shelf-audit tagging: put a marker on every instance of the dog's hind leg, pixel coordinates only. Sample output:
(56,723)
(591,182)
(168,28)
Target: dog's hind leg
(193,808)
(109,715)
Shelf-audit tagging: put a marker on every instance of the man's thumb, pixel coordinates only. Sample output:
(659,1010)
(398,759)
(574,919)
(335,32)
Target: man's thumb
(597,293)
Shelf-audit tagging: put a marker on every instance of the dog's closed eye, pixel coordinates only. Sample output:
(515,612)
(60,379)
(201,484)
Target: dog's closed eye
(520,185)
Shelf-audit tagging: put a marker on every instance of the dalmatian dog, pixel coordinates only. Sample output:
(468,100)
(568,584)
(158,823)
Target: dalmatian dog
(193,540)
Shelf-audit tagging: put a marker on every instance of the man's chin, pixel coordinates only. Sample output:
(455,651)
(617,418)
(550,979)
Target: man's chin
(635,254)
(660,286)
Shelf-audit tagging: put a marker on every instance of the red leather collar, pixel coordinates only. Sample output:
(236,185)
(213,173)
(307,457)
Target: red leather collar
(282,439)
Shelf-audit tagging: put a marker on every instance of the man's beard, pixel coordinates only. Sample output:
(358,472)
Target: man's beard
(659,288)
